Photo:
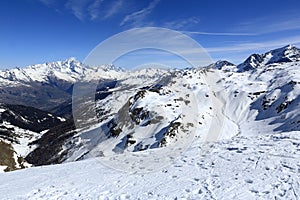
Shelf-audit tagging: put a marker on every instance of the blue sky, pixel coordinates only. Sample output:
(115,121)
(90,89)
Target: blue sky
(37,31)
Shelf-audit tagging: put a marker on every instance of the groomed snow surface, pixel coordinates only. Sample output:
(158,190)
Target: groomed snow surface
(260,167)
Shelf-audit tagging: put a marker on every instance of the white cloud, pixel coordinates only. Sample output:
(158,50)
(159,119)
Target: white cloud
(291,24)
(267,25)
(137,17)
(114,9)
(93,9)
(295,40)
(88,9)
(181,23)
(78,8)
(218,33)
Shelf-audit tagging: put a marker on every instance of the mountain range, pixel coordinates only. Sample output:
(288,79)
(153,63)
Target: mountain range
(142,111)
(37,126)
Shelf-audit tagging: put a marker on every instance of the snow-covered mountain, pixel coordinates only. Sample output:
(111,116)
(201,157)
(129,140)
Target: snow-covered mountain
(221,64)
(262,100)
(145,112)
(19,126)
(48,85)
(69,70)
(282,55)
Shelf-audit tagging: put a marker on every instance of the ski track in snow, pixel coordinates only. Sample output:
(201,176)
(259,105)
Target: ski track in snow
(261,167)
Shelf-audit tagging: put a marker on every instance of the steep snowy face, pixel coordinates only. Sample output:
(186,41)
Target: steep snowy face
(222,64)
(19,126)
(143,114)
(285,54)
(281,55)
(265,99)
(251,63)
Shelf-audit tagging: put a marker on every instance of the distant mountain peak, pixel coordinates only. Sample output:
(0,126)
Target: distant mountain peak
(288,53)
(220,64)
(112,67)
(69,70)
(289,47)
(70,59)
(224,62)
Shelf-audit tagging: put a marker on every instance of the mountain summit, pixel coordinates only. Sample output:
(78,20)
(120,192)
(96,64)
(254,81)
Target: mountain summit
(287,53)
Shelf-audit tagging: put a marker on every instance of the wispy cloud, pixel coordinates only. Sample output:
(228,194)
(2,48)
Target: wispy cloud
(192,21)
(114,8)
(93,9)
(256,46)
(88,9)
(78,8)
(181,23)
(268,25)
(137,17)
(218,33)
(291,24)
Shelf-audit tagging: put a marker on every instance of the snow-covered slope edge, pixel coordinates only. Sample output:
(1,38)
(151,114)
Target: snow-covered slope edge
(260,167)
(258,101)
(19,127)
(263,100)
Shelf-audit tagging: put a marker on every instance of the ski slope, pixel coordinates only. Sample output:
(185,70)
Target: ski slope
(261,167)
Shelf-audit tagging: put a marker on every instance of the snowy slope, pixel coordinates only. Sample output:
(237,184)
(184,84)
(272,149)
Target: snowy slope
(259,101)
(147,118)
(143,110)
(143,114)
(19,127)
(261,167)
(285,54)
